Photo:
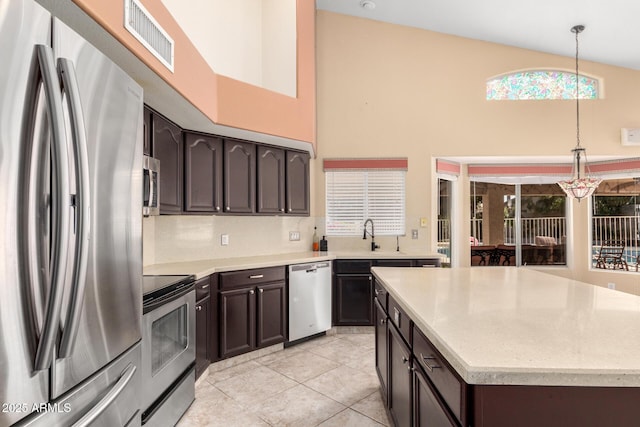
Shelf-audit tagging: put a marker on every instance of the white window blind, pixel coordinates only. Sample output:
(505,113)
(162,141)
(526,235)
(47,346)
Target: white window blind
(354,196)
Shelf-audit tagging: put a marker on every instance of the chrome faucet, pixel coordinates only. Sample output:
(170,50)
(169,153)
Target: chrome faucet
(372,234)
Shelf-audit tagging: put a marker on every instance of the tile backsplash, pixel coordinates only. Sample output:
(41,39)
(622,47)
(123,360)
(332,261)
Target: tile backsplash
(176,238)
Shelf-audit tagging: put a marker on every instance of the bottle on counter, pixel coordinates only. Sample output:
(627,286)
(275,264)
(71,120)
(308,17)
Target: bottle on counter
(316,242)
(323,244)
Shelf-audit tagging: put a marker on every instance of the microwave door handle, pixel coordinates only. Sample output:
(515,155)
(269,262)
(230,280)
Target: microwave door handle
(151,180)
(83,207)
(60,208)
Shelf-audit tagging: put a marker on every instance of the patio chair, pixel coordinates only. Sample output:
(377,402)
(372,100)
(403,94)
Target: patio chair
(610,256)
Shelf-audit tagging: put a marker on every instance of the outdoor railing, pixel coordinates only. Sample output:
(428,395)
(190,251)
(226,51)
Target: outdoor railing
(624,229)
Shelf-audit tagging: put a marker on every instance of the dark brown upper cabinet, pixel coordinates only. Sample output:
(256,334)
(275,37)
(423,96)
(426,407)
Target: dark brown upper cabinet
(146,141)
(271,166)
(297,172)
(203,173)
(168,148)
(239,176)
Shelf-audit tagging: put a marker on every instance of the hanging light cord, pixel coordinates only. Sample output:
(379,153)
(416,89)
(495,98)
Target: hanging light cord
(577,29)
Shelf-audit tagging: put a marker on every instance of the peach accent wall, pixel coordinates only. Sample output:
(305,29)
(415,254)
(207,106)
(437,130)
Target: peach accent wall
(224,100)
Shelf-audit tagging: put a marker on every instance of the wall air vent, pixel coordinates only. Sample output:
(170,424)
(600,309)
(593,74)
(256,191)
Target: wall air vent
(139,22)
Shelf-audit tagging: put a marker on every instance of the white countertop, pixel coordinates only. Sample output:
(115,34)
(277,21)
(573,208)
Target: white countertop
(205,267)
(501,325)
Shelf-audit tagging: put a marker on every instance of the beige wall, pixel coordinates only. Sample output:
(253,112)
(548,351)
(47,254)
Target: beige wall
(253,41)
(388,90)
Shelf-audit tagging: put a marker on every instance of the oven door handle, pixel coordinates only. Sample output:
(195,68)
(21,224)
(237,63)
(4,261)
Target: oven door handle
(165,299)
(109,398)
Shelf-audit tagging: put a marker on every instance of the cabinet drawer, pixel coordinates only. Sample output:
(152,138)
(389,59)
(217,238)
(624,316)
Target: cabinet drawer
(394,263)
(256,276)
(203,287)
(449,385)
(353,266)
(381,295)
(400,318)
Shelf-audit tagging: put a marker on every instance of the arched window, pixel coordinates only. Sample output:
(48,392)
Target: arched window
(540,84)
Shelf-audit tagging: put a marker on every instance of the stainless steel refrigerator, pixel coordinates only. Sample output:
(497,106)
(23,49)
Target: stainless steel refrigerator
(70,218)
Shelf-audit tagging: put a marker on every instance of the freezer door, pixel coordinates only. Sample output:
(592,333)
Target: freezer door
(109,398)
(23,24)
(109,299)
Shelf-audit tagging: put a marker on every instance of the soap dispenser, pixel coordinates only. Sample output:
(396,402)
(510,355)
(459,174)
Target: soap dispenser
(323,244)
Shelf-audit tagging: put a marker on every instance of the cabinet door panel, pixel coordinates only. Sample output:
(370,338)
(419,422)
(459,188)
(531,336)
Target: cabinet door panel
(202,335)
(214,322)
(271,314)
(399,398)
(239,176)
(271,164)
(203,173)
(353,300)
(237,322)
(381,348)
(297,183)
(428,409)
(167,147)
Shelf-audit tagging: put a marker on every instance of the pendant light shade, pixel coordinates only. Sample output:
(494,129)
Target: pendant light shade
(578,187)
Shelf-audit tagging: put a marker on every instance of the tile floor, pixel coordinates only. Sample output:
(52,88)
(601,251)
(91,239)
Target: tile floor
(328,381)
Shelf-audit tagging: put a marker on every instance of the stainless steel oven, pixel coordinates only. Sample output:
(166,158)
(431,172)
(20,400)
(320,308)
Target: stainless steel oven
(168,347)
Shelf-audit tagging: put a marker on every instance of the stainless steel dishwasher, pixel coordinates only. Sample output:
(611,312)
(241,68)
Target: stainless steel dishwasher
(309,299)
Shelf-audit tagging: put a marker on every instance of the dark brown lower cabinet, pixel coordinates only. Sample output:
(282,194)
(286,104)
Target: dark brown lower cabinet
(272,304)
(237,321)
(202,334)
(252,310)
(381,326)
(428,409)
(353,300)
(400,376)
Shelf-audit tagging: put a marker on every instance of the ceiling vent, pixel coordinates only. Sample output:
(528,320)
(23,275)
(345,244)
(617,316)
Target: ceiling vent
(630,136)
(139,22)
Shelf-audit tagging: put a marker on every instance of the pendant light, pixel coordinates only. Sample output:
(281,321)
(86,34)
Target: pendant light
(578,187)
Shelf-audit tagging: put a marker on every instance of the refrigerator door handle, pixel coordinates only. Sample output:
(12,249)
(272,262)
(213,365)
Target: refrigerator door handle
(83,208)
(60,211)
(108,399)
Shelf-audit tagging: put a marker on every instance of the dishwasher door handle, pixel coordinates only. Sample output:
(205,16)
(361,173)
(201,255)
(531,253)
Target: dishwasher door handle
(311,270)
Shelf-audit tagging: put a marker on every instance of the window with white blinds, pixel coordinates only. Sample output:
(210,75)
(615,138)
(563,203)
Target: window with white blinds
(354,196)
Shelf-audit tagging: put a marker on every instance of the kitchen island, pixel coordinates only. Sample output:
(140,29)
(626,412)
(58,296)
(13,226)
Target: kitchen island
(520,347)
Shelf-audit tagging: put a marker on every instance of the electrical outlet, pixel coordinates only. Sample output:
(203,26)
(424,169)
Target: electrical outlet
(294,236)
(224,240)
(414,234)
(423,222)
(611,285)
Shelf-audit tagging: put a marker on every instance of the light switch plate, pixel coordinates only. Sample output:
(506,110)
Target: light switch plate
(224,240)
(414,234)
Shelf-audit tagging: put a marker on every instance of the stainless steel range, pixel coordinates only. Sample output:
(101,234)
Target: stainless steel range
(168,348)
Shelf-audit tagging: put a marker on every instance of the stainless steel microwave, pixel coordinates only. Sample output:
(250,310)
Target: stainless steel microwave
(151,191)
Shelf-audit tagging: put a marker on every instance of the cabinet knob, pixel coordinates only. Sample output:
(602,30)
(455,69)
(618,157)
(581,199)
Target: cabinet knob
(370,278)
(404,359)
(383,321)
(251,292)
(281,209)
(377,292)
(228,208)
(217,208)
(198,307)
(261,290)
(409,368)
(290,210)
